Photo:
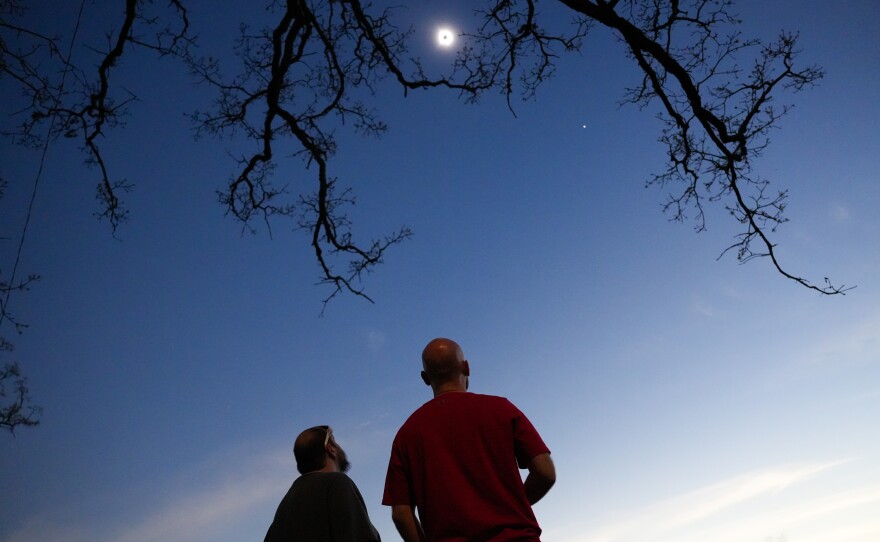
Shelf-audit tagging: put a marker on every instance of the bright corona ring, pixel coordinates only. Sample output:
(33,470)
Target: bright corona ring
(445,37)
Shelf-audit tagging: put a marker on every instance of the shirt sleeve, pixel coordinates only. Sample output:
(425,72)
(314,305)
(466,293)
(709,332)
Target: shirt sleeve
(348,513)
(397,489)
(527,442)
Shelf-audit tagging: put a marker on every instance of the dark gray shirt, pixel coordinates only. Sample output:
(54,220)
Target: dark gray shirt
(322,507)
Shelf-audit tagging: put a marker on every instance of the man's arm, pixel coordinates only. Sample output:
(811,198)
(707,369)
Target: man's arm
(542,476)
(407,523)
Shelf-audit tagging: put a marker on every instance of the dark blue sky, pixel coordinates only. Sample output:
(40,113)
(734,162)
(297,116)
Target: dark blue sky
(684,398)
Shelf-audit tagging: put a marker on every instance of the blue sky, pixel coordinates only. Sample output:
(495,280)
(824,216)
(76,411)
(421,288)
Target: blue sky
(684,398)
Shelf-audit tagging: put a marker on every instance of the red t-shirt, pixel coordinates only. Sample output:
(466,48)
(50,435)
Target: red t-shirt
(457,459)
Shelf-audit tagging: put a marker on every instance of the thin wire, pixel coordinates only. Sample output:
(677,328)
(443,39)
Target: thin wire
(4,309)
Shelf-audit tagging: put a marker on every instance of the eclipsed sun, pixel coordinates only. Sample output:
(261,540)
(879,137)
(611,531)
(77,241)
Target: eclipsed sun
(445,37)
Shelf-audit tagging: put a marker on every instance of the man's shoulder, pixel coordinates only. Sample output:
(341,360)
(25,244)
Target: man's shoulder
(324,479)
(476,402)
(469,398)
(489,398)
(339,479)
(490,401)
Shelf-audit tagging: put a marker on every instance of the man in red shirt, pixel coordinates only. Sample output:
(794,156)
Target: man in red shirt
(457,458)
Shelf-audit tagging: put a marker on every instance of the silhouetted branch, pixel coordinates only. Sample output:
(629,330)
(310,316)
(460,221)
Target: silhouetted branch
(314,68)
(716,117)
(299,80)
(6,288)
(19,412)
(16,409)
(83,108)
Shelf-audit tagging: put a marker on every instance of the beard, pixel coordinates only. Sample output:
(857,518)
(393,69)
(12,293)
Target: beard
(342,461)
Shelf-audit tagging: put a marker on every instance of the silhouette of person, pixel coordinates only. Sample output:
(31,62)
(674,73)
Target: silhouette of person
(323,504)
(456,461)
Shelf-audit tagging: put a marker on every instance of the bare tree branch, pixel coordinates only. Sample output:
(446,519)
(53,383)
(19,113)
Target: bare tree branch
(315,67)
(16,408)
(716,117)
(297,82)
(84,108)
(19,412)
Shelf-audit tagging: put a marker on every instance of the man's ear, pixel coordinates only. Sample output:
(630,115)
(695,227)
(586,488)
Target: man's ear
(465,368)
(330,449)
(425,378)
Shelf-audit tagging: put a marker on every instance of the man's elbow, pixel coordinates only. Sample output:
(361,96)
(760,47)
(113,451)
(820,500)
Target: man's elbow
(542,467)
(546,481)
(550,479)
(542,476)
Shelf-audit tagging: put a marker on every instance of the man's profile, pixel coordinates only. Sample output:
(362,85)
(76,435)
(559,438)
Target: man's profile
(323,504)
(456,461)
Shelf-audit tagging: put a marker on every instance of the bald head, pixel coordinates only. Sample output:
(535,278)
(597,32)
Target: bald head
(309,449)
(316,449)
(445,368)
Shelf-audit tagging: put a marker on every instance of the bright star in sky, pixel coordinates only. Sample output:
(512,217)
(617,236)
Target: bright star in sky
(445,37)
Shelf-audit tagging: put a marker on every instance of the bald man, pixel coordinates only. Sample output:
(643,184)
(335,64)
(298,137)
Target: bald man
(322,505)
(456,461)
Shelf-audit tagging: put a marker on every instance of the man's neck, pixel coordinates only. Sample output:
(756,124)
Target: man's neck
(329,466)
(449,389)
